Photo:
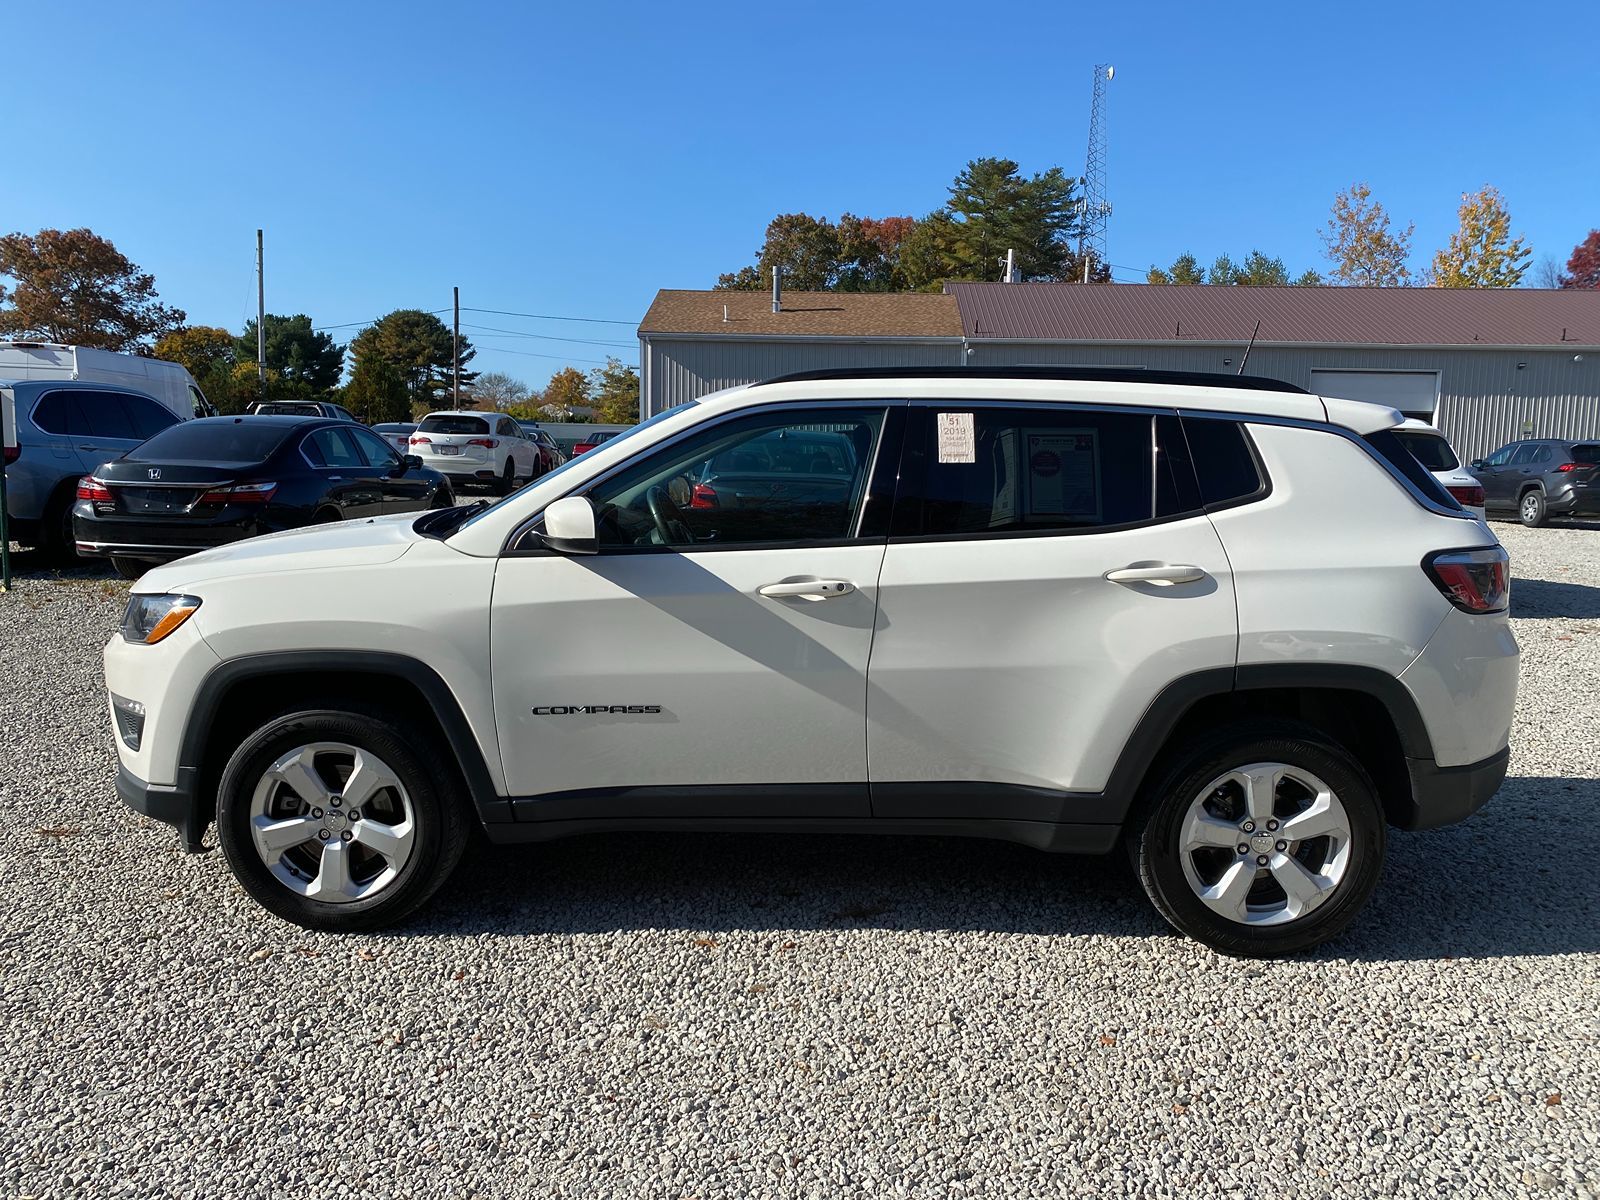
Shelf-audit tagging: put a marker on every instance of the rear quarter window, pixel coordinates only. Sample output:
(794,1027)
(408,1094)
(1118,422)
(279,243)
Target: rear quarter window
(1395,452)
(1224,460)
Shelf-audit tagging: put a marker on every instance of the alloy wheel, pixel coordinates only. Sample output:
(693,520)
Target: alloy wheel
(1265,844)
(332,822)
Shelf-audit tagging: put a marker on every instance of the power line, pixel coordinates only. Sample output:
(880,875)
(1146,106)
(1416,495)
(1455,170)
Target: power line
(557,357)
(500,312)
(549,337)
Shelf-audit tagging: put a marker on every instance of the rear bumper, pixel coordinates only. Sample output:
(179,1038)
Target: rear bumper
(151,541)
(175,805)
(1575,500)
(1445,795)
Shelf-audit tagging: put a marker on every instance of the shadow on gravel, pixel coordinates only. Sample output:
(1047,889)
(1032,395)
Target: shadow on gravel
(1551,598)
(1519,878)
(33,564)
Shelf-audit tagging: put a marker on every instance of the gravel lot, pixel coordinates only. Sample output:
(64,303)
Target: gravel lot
(741,1016)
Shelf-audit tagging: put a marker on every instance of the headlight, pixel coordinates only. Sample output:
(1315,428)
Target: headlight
(151,618)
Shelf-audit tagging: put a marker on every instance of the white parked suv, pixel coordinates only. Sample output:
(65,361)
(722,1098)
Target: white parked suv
(1434,451)
(1227,625)
(476,447)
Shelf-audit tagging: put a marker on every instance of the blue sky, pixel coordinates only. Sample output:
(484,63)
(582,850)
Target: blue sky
(570,159)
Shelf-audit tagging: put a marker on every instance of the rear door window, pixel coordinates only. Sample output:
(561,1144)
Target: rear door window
(108,416)
(148,417)
(332,447)
(1526,453)
(977,471)
(372,446)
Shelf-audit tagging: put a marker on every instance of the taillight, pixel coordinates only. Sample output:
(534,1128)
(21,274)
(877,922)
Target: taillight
(1475,581)
(1467,495)
(90,488)
(486,443)
(422,441)
(13,453)
(703,496)
(580,448)
(1565,467)
(241,493)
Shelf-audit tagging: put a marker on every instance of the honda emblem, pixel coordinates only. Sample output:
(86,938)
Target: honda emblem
(155,472)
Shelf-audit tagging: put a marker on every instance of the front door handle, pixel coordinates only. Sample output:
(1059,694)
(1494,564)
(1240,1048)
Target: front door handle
(1160,574)
(810,589)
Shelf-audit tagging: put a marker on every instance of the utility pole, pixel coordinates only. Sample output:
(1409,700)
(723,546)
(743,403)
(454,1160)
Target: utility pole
(261,316)
(455,355)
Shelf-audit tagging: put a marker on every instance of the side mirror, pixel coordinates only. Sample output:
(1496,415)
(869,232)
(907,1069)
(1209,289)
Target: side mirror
(1477,464)
(569,526)
(411,462)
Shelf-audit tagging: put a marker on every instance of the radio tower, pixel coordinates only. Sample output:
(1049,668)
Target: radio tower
(1096,208)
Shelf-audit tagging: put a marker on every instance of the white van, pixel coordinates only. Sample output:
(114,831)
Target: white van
(167,382)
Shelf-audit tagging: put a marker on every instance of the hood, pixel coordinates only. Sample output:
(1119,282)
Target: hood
(342,544)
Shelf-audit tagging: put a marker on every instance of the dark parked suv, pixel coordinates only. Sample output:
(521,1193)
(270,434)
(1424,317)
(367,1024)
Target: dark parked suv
(1541,478)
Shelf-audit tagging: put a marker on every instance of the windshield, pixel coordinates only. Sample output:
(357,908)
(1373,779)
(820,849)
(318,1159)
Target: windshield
(1429,449)
(220,440)
(472,425)
(470,514)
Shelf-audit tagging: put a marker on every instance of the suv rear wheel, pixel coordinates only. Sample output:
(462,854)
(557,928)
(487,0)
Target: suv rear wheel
(1531,509)
(337,819)
(1264,839)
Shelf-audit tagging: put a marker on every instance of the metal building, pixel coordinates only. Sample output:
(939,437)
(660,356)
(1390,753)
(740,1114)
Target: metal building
(1486,366)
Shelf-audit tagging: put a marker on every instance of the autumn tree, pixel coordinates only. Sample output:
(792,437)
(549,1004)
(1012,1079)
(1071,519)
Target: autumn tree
(1364,249)
(1481,253)
(568,389)
(207,353)
(418,346)
(295,351)
(869,253)
(1583,268)
(614,392)
(1185,269)
(376,392)
(496,389)
(75,287)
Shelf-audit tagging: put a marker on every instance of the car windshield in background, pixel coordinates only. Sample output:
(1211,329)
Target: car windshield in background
(1429,449)
(214,440)
(471,425)
(1588,453)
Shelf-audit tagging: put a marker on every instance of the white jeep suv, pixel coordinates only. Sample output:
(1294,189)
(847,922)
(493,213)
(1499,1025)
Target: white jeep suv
(1230,626)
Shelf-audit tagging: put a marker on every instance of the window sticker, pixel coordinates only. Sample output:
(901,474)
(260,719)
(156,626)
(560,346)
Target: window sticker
(1063,474)
(958,443)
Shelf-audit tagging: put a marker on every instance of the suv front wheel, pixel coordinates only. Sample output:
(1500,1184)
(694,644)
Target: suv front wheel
(338,819)
(1262,840)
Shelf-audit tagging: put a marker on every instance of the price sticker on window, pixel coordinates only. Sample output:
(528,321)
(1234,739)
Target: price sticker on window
(957,441)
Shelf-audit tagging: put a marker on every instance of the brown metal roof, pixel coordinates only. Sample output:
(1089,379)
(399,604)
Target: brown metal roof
(805,314)
(1138,312)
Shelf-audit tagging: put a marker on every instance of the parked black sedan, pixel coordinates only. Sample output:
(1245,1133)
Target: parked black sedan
(220,479)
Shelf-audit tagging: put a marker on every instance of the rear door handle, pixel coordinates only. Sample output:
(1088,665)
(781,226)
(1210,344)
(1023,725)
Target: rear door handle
(1160,574)
(810,589)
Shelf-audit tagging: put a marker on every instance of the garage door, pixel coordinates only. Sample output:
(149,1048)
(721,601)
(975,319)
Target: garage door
(1415,393)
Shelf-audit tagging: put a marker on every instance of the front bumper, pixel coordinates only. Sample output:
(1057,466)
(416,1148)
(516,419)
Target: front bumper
(174,804)
(1445,795)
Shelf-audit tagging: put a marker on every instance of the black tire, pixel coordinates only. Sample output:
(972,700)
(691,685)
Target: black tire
(129,568)
(326,516)
(1154,839)
(425,774)
(1531,510)
(508,479)
(57,540)
(443,497)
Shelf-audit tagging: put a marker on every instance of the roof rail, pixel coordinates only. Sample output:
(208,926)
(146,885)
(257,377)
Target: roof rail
(1254,383)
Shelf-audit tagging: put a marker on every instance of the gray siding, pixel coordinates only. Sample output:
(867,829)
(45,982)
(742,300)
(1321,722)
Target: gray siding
(1485,399)
(679,370)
